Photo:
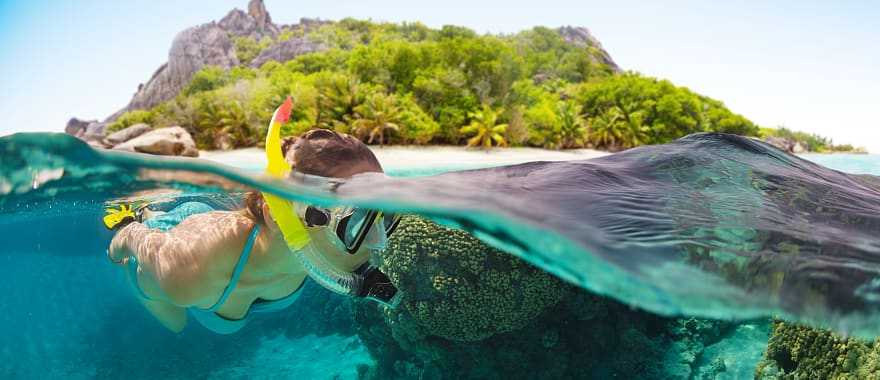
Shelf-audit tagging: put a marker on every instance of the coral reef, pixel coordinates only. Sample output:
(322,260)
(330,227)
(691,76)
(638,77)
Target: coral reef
(801,352)
(461,289)
(584,336)
(470,311)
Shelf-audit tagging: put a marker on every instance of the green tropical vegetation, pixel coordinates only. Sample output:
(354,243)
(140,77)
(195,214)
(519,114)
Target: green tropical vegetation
(409,84)
(809,141)
(377,116)
(485,129)
(630,110)
(247,48)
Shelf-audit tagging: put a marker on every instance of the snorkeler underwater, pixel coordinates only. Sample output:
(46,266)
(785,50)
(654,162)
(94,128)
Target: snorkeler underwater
(356,198)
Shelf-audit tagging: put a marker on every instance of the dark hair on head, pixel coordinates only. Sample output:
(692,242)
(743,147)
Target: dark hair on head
(253,203)
(320,152)
(326,153)
(287,143)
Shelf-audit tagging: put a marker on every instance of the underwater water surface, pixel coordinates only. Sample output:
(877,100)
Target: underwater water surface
(709,226)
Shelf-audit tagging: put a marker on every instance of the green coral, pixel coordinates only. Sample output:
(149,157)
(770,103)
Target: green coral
(472,312)
(801,352)
(461,289)
(584,336)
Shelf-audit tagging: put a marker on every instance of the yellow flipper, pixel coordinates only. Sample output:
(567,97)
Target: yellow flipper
(116,216)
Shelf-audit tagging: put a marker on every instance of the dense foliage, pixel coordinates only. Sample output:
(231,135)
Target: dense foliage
(630,110)
(409,84)
(810,142)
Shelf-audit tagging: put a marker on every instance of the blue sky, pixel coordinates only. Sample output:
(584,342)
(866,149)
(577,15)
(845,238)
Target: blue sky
(809,65)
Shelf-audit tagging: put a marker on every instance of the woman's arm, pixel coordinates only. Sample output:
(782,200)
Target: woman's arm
(131,240)
(185,266)
(136,240)
(171,316)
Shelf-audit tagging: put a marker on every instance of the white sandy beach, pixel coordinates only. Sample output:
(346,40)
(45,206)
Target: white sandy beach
(413,157)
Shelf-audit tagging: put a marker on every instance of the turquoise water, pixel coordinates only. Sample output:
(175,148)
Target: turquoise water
(69,314)
(850,163)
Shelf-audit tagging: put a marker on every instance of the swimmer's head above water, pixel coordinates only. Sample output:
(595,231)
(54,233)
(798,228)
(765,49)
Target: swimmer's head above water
(332,155)
(334,244)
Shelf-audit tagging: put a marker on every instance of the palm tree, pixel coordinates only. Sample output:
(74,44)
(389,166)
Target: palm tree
(484,130)
(603,128)
(207,122)
(338,97)
(378,114)
(235,123)
(571,124)
(615,128)
(225,125)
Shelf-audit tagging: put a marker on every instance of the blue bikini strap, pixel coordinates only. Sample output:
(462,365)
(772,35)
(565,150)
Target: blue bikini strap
(239,267)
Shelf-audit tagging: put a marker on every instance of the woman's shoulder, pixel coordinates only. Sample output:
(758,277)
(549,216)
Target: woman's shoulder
(234,220)
(213,235)
(207,247)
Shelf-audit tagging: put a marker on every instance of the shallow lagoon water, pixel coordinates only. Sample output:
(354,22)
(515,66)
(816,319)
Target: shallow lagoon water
(70,314)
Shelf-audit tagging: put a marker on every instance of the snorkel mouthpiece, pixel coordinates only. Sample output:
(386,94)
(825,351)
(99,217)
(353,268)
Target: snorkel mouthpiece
(280,209)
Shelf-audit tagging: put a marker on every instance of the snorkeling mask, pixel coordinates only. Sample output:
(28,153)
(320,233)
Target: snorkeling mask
(352,225)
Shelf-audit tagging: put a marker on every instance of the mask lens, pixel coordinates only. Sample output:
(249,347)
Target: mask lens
(389,222)
(316,217)
(355,228)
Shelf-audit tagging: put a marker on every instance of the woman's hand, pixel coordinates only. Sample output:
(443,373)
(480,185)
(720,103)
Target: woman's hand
(121,247)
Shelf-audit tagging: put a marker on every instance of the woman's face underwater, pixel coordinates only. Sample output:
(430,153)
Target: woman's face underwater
(324,240)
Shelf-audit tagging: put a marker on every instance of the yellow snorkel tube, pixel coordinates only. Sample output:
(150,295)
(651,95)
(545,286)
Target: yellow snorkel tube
(281,210)
(283,213)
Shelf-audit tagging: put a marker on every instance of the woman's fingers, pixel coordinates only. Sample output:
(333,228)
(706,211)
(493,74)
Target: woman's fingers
(119,246)
(116,253)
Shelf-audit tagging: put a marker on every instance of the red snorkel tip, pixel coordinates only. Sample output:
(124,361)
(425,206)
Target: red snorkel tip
(282,115)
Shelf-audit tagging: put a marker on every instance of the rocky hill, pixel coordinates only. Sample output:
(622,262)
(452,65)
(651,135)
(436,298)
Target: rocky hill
(407,83)
(401,83)
(213,44)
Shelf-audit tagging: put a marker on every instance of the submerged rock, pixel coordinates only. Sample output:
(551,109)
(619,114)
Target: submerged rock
(172,141)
